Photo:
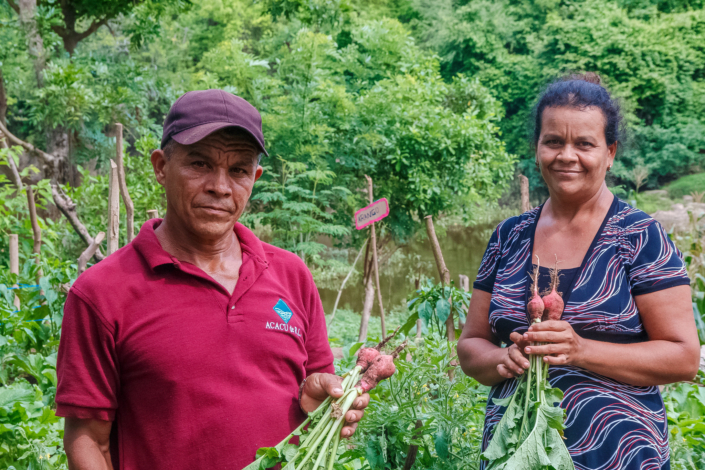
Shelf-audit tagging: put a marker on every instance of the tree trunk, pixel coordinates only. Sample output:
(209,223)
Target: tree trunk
(124,193)
(35,43)
(525,202)
(3,99)
(367,308)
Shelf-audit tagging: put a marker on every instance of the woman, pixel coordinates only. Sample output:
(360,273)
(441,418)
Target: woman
(628,322)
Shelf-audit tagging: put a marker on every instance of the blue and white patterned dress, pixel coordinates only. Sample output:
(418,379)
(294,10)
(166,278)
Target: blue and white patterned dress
(610,424)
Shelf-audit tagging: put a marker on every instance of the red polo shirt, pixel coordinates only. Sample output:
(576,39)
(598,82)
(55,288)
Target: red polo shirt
(191,376)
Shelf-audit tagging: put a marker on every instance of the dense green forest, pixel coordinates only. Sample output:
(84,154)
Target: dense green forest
(430,98)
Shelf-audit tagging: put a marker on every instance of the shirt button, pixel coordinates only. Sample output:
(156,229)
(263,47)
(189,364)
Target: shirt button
(232,308)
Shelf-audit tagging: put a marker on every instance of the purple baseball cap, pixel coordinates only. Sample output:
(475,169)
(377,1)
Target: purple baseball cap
(197,114)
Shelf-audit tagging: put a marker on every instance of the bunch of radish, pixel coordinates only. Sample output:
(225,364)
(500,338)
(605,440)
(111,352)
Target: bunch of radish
(320,432)
(530,433)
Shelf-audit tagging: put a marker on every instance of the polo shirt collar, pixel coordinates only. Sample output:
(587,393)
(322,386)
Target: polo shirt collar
(147,244)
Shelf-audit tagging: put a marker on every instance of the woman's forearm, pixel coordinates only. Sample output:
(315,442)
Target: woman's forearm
(479,359)
(643,364)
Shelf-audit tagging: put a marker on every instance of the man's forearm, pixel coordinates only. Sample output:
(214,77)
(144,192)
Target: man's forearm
(87,444)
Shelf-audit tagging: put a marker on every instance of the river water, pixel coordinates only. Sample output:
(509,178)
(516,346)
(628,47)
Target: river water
(462,249)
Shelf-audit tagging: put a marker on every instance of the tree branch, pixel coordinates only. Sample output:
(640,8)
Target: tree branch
(17,180)
(14,6)
(45,157)
(89,252)
(68,208)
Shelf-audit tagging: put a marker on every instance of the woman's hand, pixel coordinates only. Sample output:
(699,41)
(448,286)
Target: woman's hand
(564,345)
(320,386)
(514,362)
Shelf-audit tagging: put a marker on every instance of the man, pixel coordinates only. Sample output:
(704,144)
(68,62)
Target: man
(186,348)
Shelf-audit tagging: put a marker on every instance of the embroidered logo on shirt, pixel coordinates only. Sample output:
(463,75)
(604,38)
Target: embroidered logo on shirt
(283,311)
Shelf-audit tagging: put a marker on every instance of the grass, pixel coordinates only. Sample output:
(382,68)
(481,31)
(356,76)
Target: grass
(651,202)
(346,325)
(686,185)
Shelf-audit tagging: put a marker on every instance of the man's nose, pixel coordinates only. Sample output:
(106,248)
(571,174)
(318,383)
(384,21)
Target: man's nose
(218,183)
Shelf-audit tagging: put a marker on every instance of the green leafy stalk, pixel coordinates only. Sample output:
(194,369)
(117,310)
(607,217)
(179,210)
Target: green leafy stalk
(530,434)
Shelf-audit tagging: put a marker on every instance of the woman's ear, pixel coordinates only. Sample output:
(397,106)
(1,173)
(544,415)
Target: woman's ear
(611,152)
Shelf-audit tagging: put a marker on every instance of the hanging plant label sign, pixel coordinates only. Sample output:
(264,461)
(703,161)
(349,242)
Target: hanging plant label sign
(376,211)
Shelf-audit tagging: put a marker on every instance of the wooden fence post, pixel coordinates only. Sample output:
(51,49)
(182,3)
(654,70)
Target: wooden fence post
(15,262)
(442,270)
(129,206)
(89,252)
(152,214)
(525,202)
(113,209)
(373,240)
(36,231)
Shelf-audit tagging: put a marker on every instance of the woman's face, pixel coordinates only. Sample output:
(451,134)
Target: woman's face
(572,153)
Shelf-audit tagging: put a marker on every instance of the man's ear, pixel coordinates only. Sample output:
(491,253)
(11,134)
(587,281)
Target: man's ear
(158,163)
(258,172)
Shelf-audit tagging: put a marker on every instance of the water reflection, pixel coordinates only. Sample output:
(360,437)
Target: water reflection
(462,248)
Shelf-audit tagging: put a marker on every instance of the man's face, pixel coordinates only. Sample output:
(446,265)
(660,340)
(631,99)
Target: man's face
(208,184)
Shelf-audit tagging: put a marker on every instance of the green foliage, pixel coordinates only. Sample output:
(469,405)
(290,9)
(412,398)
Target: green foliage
(433,304)
(685,407)
(687,185)
(650,55)
(421,406)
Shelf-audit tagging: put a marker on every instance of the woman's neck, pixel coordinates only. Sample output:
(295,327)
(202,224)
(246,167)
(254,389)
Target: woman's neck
(567,209)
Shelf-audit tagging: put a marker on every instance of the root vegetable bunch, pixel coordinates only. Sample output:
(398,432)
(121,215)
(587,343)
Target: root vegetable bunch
(320,432)
(530,434)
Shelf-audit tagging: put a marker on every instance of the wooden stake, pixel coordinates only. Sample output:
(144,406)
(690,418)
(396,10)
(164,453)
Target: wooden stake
(15,261)
(129,206)
(340,291)
(442,270)
(152,214)
(113,209)
(373,238)
(36,231)
(525,203)
(89,252)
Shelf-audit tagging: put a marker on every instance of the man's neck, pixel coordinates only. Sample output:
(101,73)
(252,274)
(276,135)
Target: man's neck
(208,254)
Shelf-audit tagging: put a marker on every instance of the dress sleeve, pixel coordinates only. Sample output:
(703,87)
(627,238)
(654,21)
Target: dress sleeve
(86,363)
(320,356)
(490,263)
(656,263)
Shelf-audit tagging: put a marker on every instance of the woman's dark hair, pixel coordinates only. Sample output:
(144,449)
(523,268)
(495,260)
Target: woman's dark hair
(580,91)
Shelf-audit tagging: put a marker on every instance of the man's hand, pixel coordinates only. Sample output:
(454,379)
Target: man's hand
(319,386)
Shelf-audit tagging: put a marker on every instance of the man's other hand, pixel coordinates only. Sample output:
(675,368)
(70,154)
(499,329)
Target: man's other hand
(320,386)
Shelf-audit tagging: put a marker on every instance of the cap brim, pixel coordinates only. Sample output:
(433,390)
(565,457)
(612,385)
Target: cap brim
(198,133)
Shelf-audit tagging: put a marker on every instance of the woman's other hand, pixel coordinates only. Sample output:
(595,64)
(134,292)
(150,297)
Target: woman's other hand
(515,361)
(564,346)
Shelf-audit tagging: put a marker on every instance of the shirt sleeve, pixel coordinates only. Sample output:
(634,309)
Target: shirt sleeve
(656,263)
(86,363)
(489,265)
(320,356)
